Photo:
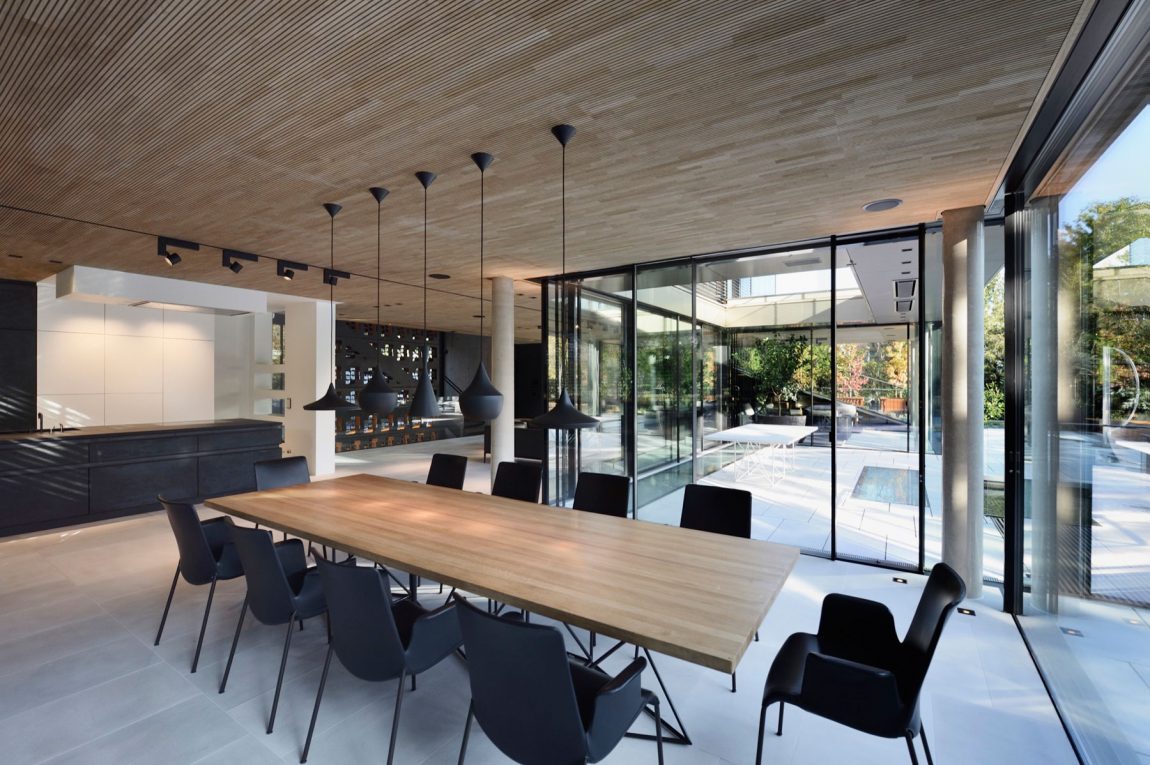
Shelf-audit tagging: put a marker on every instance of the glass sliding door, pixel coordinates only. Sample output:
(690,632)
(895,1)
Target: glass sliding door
(877,501)
(764,348)
(1085,291)
(664,390)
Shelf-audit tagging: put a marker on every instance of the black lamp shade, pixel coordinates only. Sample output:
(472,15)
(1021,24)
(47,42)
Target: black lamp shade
(377,397)
(564,416)
(330,402)
(424,404)
(481,400)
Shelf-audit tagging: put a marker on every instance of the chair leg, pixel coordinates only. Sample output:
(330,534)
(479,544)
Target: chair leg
(203,626)
(466,731)
(235,641)
(395,720)
(315,710)
(658,731)
(280,679)
(925,746)
(762,728)
(910,748)
(164,618)
(779,732)
(734,683)
(756,636)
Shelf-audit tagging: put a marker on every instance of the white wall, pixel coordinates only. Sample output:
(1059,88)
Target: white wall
(243,360)
(104,364)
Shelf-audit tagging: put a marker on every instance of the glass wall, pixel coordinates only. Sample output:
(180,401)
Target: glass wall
(1085,291)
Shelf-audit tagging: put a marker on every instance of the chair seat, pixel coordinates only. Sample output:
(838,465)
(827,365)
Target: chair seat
(785,678)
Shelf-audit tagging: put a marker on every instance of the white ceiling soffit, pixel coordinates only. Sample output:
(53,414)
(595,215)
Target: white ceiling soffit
(99,285)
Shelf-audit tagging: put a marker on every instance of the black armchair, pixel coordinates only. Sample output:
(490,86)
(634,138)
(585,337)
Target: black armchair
(448,470)
(281,590)
(602,493)
(538,706)
(207,555)
(720,510)
(377,638)
(280,473)
(518,480)
(856,671)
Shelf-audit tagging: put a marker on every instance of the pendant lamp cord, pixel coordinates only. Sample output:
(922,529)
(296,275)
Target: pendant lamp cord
(331,294)
(378,301)
(425,280)
(561,298)
(482,311)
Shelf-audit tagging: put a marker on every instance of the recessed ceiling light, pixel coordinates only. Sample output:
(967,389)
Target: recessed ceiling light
(439,276)
(882,205)
(56,261)
(477,316)
(905,273)
(15,256)
(908,249)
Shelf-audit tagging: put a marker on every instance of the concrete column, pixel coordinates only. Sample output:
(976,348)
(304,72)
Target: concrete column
(503,369)
(309,363)
(963,340)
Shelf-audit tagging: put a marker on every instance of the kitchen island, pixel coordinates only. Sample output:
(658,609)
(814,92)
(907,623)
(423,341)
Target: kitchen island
(59,479)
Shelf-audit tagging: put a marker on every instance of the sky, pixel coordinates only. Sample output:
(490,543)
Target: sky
(1123,170)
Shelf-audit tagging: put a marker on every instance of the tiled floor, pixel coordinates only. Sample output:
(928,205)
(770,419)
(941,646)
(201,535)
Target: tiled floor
(80,681)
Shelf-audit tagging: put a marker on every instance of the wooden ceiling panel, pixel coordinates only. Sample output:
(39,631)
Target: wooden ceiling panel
(703,126)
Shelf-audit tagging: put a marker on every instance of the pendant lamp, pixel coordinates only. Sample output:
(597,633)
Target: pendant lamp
(424,404)
(377,397)
(331,400)
(482,400)
(564,415)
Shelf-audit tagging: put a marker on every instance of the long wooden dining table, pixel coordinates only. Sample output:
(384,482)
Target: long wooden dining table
(690,594)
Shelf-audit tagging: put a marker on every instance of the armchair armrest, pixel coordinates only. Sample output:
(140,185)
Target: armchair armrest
(292,556)
(433,636)
(859,630)
(617,704)
(863,697)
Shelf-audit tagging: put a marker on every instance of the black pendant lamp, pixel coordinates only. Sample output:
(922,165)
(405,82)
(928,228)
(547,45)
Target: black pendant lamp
(564,415)
(482,400)
(331,400)
(377,397)
(424,404)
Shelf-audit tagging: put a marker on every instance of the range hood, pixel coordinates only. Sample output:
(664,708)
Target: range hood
(99,285)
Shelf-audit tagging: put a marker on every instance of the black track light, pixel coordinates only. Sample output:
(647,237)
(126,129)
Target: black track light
(286,269)
(231,260)
(172,258)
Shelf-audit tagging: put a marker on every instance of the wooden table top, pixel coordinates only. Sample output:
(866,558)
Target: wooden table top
(690,594)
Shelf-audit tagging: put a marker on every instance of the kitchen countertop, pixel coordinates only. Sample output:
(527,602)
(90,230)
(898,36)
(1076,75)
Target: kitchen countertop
(139,429)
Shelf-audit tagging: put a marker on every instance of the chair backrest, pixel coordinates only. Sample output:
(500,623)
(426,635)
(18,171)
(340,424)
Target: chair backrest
(270,595)
(363,631)
(943,592)
(197,564)
(717,509)
(448,470)
(521,688)
(603,493)
(276,474)
(518,480)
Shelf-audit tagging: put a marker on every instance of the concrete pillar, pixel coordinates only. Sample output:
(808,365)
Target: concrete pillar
(309,363)
(503,369)
(963,340)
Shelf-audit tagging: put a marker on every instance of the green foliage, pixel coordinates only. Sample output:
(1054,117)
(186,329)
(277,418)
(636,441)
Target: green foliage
(994,404)
(771,364)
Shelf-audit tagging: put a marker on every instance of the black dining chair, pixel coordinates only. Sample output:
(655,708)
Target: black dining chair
(207,555)
(856,671)
(282,589)
(602,493)
(720,510)
(281,473)
(378,638)
(537,705)
(448,470)
(518,480)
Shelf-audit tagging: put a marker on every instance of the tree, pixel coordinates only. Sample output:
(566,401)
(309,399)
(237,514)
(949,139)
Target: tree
(850,360)
(771,364)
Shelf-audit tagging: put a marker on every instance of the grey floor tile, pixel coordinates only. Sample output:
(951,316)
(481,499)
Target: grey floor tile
(27,621)
(178,735)
(27,689)
(248,750)
(59,641)
(76,720)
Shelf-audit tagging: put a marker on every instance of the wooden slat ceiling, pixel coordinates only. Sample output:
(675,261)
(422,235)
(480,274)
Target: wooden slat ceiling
(703,126)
